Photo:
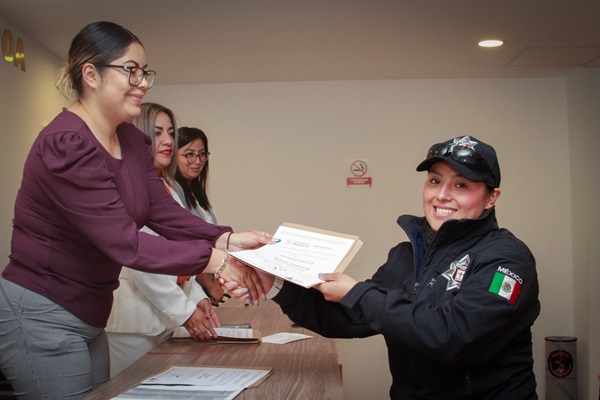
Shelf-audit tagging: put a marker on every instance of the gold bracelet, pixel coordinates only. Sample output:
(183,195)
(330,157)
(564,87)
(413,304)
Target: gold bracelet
(222,266)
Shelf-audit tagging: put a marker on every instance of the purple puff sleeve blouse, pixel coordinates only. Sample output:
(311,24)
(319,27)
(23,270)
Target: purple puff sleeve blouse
(78,214)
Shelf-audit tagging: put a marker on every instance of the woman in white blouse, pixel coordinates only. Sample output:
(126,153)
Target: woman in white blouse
(191,179)
(149,307)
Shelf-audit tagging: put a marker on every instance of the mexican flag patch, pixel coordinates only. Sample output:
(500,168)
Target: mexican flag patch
(506,284)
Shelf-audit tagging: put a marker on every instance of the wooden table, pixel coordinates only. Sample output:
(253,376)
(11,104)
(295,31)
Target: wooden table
(304,369)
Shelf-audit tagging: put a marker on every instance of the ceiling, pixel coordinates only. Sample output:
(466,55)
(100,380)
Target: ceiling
(223,41)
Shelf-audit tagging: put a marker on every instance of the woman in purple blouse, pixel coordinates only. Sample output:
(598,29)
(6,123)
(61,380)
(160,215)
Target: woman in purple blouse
(89,185)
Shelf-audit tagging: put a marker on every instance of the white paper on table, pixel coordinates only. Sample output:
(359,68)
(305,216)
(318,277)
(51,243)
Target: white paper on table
(302,253)
(147,392)
(209,376)
(285,337)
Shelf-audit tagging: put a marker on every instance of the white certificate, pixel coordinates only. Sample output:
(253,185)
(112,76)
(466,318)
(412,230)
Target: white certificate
(232,377)
(146,392)
(302,253)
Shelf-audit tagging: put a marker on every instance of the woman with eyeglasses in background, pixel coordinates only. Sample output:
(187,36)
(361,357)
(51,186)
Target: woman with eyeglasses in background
(89,184)
(191,180)
(147,307)
(455,304)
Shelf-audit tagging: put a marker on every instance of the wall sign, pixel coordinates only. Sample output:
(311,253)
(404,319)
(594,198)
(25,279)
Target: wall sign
(358,176)
(13,50)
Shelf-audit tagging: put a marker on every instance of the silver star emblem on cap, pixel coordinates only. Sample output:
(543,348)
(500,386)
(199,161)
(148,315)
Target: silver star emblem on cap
(463,141)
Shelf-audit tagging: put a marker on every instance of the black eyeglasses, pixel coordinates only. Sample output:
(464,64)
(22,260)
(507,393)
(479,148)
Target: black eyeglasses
(136,74)
(191,157)
(461,153)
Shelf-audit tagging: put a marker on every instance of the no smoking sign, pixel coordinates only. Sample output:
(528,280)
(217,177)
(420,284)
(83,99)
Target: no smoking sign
(358,174)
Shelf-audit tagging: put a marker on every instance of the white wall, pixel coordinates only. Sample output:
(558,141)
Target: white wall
(28,101)
(280,151)
(584,124)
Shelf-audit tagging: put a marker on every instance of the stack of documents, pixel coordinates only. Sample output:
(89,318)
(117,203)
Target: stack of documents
(302,253)
(209,382)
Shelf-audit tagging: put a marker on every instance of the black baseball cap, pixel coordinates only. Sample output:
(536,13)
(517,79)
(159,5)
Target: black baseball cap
(469,156)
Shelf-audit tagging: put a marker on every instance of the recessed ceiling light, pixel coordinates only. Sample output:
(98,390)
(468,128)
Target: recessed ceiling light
(491,43)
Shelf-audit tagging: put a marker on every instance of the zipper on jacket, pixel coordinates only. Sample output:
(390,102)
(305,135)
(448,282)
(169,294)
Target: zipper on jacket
(415,290)
(429,285)
(468,386)
(431,282)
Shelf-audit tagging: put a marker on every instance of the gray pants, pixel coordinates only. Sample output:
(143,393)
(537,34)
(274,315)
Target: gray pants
(45,351)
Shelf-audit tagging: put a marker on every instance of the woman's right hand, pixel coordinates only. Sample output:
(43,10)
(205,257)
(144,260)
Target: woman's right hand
(247,280)
(239,293)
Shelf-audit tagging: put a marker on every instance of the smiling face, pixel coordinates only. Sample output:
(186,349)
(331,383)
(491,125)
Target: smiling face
(117,96)
(190,171)
(164,133)
(447,195)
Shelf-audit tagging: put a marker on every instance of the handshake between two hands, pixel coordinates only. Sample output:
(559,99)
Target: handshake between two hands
(335,286)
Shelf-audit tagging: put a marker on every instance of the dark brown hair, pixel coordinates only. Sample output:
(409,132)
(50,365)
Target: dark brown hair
(97,43)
